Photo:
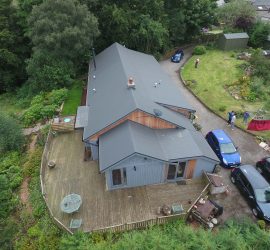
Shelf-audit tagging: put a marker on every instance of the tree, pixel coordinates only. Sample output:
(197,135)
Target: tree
(62,32)
(13,50)
(136,24)
(261,66)
(187,17)
(258,34)
(11,137)
(237,14)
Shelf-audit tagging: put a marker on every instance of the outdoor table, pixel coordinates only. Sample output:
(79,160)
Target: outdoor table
(205,209)
(71,203)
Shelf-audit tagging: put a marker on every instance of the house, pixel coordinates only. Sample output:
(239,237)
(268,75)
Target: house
(137,125)
(262,8)
(233,41)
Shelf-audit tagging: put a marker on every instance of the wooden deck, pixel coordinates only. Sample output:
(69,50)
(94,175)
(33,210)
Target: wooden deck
(101,208)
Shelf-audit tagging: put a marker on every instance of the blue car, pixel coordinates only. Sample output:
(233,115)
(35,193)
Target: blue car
(224,148)
(177,56)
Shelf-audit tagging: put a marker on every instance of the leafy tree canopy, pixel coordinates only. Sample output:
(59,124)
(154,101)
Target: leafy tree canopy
(187,17)
(62,28)
(12,47)
(11,137)
(258,34)
(237,14)
(62,34)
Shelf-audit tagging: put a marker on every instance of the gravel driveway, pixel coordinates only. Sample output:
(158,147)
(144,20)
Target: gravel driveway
(234,204)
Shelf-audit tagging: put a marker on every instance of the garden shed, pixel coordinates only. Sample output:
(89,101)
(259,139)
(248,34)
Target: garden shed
(233,41)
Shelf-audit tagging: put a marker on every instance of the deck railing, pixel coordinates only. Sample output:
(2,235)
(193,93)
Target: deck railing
(204,192)
(43,165)
(116,228)
(141,224)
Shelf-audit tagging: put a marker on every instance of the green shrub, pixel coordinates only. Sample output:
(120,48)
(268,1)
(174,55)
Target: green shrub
(6,200)
(32,164)
(44,106)
(11,137)
(261,224)
(222,108)
(258,34)
(199,50)
(197,126)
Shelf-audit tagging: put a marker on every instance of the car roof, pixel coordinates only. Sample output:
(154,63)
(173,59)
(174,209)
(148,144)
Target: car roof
(254,177)
(221,136)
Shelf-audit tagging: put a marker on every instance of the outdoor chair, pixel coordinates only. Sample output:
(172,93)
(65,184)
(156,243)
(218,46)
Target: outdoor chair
(75,223)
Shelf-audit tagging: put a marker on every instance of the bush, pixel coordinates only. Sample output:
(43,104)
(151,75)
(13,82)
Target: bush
(44,106)
(222,108)
(197,126)
(261,224)
(11,136)
(199,50)
(258,34)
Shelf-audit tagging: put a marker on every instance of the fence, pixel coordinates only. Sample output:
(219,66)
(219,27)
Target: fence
(141,224)
(204,192)
(43,165)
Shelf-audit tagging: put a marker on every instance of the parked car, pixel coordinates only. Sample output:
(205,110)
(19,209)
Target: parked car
(263,166)
(224,148)
(254,188)
(177,56)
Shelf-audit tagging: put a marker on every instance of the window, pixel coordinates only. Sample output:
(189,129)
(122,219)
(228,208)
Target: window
(176,170)
(171,172)
(227,148)
(119,176)
(180,169)
(116,177)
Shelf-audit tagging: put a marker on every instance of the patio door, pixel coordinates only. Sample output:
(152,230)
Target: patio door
(176,170)
(171,172)
(119,177)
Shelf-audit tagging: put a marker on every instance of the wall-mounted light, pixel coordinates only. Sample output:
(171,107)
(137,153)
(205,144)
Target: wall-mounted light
(134,168)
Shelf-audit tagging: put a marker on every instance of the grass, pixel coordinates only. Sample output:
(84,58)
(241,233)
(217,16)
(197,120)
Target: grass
(73,100)
(216,69)
(8,104)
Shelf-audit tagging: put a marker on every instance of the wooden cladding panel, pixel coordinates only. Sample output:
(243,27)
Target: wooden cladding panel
(190,169)
(139,117)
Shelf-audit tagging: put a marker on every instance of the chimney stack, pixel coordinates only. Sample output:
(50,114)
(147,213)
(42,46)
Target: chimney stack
(131,83)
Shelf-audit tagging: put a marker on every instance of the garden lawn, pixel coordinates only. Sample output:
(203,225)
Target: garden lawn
(216,69)
(73,100)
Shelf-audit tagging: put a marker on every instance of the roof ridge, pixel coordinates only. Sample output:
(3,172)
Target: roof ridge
(119,46)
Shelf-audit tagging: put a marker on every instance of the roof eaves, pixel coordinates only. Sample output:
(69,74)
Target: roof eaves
(173,106)
(135,153)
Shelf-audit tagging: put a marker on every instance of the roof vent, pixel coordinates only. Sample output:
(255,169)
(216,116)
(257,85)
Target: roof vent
(157,112)
(131,83)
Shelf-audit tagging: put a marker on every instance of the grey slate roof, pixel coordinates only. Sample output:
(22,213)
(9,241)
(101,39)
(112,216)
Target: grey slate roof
(261,2)
(109,99)
(163,144)
(82,117)
(236,35)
